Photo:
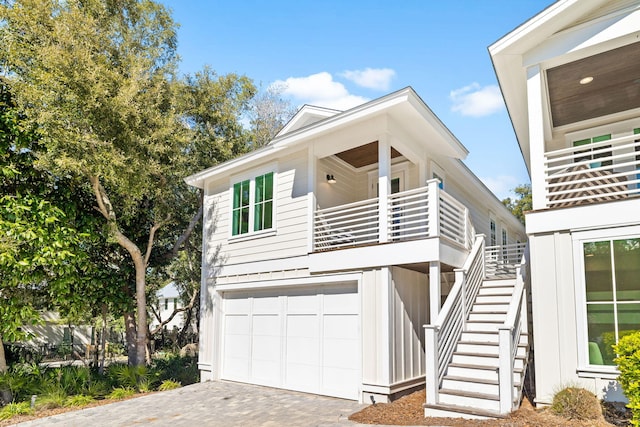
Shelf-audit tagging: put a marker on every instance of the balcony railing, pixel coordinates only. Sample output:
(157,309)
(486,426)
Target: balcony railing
(414,214)
(598,172)
(502,261)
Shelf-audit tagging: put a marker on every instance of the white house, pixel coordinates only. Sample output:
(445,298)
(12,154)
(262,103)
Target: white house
(328,250)
(168,301)
(570,77)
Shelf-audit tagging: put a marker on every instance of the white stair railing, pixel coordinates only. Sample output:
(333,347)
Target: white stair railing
(503,260)
(442,336)
(509,335)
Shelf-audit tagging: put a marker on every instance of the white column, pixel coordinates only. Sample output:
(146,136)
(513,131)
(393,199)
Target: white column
(535,89)
(384,185)
(434,291)
(311,197)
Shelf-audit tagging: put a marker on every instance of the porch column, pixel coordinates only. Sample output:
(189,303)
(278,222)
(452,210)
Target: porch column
(311,198)
(384,186)
(434,291)
(535,101)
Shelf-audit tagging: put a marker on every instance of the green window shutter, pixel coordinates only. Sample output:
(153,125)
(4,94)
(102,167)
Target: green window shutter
(240,212)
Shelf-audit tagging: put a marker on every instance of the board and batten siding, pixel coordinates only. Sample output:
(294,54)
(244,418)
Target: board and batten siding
(290,219)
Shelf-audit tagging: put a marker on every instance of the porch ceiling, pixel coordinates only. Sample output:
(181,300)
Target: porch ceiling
(364,155)
(615,86)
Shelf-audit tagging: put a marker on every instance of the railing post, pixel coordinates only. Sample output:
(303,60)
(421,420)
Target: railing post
(431,364)
(433,197)
(505,369)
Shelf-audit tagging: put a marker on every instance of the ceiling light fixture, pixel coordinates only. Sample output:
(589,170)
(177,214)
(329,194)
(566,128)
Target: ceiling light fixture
(586,80)
(331,179)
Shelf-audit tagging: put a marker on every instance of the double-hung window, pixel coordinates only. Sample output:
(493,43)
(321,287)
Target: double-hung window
(612,294)
(252,208)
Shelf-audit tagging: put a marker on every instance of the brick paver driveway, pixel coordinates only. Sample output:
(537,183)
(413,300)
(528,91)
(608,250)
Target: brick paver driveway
(216,403)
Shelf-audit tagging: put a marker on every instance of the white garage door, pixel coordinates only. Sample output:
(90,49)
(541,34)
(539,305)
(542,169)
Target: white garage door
(303,339)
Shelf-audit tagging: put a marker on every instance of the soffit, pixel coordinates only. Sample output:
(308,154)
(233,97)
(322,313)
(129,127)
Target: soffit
(364,155)
(615,86)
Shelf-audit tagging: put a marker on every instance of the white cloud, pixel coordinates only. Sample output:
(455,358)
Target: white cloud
(501,185)
(476,101)
(321,90)
(371,78)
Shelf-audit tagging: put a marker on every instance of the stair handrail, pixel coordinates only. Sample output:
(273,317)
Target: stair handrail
(441,337)
(509,337)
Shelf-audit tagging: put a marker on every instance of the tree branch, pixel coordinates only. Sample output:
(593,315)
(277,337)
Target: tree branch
(192,301)
(187,232)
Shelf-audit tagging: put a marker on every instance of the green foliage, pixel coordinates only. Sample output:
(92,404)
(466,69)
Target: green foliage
(628,361)
(522,203)
(51,400)
(575,403)
(79,400)
(12,409)
(169,385)
(137,377)
(181,369)
(121,393)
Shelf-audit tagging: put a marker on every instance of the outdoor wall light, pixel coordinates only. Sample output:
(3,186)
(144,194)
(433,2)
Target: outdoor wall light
(331,179)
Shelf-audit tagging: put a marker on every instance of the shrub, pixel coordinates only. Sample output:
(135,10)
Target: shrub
(135,377)
(169,385)
(576,403)
(52,399)
(78,400)
(181,369)
(628,361)
(8,411)
(121,392)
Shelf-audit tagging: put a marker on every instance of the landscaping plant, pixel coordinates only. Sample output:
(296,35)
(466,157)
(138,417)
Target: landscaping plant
(576,403)
(628,361)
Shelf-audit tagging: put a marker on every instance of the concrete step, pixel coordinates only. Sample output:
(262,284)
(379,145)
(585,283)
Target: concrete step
(485,401)
(454,411)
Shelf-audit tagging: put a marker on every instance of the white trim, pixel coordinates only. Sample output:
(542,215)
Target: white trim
(398,170)
(295,282)
(578,240)
(251,177)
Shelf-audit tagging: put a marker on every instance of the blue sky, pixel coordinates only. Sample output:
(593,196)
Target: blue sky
(341,53)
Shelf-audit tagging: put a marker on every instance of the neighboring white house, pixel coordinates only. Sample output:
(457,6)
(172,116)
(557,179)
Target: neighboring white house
(570,77)
(168,301)
(328,250)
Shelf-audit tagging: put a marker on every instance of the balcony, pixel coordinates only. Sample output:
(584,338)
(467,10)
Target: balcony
(421,213)
(593,173)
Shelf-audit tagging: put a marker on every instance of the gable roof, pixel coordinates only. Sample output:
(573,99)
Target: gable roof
(404,105)
(307,115)
(568,27)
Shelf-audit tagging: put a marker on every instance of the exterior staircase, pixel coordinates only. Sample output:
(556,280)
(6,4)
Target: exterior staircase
(480,353)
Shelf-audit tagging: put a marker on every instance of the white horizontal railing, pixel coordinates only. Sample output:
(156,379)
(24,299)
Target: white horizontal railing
(414,214)
(502,261)
(509,334)
(408,215)
(442,337)
(347,225)
(591,173)
(453,219)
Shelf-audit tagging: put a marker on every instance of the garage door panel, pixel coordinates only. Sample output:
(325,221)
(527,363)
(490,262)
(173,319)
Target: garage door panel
(341,303)
(303,326)
(303,350)
(304,339)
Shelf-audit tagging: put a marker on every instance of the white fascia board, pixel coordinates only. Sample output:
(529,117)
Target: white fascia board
(600,215)
(300,136)
(507,55)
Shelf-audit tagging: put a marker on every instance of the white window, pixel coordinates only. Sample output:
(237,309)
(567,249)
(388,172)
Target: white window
(609,276)
(493,240)
(252,204)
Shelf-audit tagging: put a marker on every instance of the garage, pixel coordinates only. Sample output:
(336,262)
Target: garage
(305,339)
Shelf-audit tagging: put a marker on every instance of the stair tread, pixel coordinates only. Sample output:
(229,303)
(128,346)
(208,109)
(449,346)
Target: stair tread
(485,321)
(465,410)
(473,394)
(481,367)
(476,380)
(489,312)
(493,344)
(472,353)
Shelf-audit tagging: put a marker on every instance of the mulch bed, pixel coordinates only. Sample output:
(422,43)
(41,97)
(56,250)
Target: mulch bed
(408,410)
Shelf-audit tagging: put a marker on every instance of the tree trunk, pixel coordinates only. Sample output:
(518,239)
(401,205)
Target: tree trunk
(3,360)
(130,330)
(103,339)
